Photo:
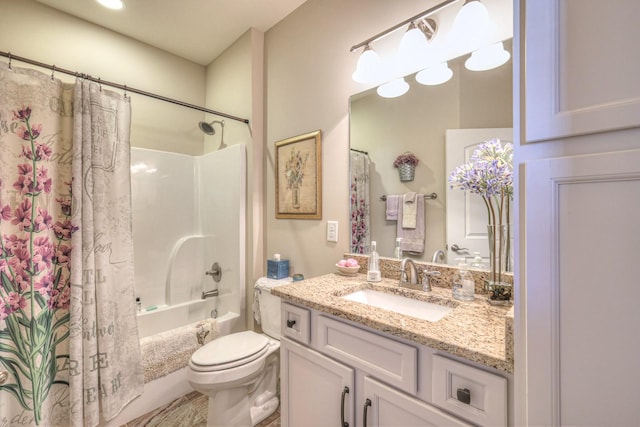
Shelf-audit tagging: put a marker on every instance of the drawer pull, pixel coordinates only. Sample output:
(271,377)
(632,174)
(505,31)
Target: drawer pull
(343,423)
(464,395)
(290,323)
(367,403)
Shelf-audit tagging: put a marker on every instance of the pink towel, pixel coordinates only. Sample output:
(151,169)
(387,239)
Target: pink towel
(392,207)
(412,238)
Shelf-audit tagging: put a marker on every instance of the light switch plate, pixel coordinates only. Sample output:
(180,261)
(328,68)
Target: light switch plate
(332,231)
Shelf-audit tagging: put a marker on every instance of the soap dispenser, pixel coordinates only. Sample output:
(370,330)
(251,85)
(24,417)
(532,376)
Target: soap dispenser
(463,286)
(397,252)
(373,273)
(478,262)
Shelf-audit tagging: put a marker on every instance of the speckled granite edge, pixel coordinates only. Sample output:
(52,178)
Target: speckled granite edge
(476,331)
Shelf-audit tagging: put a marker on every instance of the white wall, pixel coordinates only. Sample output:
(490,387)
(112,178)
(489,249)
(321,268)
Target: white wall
(35,31)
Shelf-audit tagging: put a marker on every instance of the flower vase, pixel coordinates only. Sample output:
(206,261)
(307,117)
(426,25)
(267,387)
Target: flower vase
(296,197)
(407,172)
(500,291)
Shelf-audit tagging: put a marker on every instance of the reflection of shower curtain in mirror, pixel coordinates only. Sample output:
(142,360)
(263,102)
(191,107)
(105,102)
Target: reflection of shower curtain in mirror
(359,196)
(41,241)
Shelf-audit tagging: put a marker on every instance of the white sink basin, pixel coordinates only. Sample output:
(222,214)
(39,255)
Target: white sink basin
(403,305)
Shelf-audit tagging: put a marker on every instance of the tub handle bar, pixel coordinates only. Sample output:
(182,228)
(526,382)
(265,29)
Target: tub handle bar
(215,272)
(209,294)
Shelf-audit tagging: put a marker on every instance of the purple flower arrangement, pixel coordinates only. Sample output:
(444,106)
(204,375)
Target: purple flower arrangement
(489,174)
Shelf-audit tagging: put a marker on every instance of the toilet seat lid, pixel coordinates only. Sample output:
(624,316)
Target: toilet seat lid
(230,348)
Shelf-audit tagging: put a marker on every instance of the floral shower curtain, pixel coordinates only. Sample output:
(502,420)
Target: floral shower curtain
(57,333)
(359,195)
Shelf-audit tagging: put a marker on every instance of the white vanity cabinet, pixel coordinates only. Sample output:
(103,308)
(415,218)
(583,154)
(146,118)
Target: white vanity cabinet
(335,372)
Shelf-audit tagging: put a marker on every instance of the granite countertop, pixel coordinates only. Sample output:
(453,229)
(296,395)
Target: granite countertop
(474,330)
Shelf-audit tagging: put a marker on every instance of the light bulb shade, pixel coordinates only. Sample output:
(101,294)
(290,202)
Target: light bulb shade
(413,41)
(487,57)
(471,26)
(435,75)
(393,89)
(368,67)
(112,4)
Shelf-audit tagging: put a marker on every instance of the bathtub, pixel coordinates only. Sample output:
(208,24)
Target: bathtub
(168,388)
(164,317)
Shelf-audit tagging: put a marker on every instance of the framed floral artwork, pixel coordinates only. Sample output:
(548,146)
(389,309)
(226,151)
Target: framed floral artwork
(299,177)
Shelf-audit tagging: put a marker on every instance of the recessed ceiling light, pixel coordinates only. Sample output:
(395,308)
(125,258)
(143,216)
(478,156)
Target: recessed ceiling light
(112,4)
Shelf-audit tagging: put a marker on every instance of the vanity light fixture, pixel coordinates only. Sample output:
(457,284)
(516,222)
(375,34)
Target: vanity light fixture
(487,57)
(414,45)
(112,4)
(438,74)
(394,88)
(419,21)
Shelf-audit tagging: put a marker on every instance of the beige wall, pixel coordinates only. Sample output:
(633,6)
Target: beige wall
(308,84)
(234,85)
(31,30)
(308,75)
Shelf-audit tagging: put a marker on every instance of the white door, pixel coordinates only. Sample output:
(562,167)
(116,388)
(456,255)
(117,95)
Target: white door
(316,391)
(387,407)
(466,213)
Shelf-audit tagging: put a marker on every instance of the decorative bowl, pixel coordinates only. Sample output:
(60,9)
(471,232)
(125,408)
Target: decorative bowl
(348,271)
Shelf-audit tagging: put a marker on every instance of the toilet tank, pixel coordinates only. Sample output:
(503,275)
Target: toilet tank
(269,309)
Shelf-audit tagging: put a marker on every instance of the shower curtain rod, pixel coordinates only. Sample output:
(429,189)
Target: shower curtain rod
(118,86)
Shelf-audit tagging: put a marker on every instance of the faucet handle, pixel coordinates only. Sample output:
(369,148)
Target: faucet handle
(426,284)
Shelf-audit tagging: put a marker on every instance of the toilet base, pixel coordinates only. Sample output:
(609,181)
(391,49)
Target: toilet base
(248,401)
(260,413)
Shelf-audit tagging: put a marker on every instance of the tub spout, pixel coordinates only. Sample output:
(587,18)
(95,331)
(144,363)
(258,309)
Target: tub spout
(209,294)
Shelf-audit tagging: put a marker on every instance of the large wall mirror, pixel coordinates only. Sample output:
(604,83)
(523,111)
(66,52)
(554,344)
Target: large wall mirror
(417,122)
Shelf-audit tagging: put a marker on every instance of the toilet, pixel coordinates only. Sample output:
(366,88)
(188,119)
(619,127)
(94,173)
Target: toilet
(239,372)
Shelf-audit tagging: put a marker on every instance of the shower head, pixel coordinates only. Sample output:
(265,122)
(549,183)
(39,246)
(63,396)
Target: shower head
(208,127)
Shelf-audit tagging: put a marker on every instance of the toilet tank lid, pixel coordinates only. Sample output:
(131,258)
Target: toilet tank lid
(229,348)
(266,284)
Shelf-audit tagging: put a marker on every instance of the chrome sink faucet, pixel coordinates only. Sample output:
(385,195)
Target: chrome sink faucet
(403,271)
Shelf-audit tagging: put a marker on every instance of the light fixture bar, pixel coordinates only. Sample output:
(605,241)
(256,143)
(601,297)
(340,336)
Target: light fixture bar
(424,14)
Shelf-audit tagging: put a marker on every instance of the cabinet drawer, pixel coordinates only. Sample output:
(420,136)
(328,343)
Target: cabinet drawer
(390,361)
(486,392)
(295,323)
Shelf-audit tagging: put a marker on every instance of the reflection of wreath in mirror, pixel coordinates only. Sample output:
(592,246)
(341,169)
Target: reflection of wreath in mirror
(407,158)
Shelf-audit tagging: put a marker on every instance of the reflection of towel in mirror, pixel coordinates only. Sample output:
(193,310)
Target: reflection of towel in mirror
(392,207)
(409,210)
(412,238)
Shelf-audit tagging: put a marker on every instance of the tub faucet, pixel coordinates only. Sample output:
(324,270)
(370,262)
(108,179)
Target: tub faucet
(209,294)
(403,271)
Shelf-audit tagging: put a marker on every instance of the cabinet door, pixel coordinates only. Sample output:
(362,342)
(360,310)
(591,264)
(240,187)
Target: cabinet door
(582,293)
(389,407)
(581,68)
(313,388)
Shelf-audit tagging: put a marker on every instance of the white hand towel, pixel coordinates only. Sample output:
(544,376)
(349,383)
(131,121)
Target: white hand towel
(392,207)
(412,238)
(409,210)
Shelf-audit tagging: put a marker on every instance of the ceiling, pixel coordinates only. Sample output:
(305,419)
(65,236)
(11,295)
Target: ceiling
(197,30)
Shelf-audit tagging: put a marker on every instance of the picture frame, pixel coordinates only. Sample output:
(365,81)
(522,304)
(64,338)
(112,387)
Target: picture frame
(298,170)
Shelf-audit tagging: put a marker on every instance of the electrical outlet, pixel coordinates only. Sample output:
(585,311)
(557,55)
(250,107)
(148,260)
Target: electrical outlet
(332,231)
